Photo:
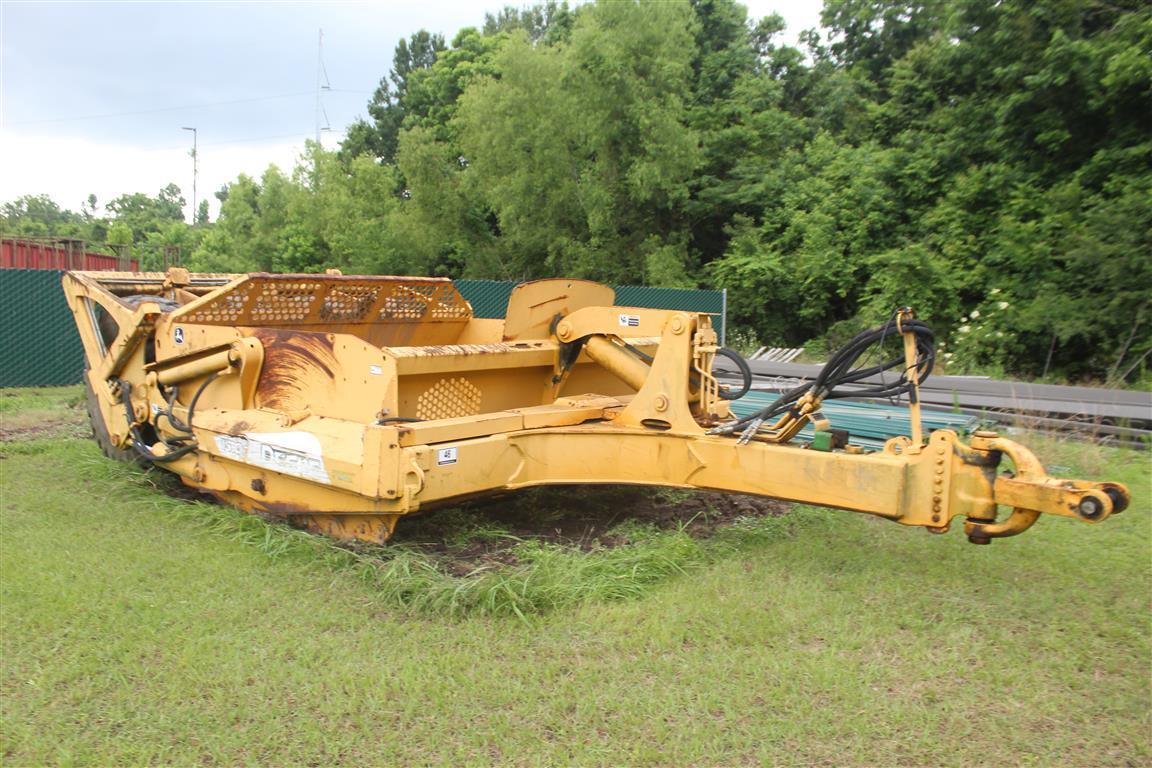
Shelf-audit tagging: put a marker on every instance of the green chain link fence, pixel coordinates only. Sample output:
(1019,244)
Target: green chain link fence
(39,346)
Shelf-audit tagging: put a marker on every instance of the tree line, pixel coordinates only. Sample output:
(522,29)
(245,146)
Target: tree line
(989,164)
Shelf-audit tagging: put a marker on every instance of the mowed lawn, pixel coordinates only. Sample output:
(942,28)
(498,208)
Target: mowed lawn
(133,635)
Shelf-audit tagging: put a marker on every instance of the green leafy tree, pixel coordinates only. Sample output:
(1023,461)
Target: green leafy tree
(40,216)
(233,244)
(548,22)
(581,152)
(146,215)
(388,106)
(739,108)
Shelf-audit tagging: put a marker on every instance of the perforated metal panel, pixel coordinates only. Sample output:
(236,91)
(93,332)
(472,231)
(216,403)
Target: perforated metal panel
(419,302)
(448,399)
(275,303)
(263,300)
(348,303)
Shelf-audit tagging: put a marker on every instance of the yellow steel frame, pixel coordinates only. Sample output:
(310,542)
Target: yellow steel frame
(343,403)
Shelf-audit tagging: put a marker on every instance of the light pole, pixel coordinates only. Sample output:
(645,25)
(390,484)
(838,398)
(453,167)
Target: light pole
(194,172)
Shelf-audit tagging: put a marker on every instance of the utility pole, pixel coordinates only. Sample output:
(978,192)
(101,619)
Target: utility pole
(195,172)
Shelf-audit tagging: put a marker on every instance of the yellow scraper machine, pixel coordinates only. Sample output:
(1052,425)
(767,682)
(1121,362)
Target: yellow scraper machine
(341,403)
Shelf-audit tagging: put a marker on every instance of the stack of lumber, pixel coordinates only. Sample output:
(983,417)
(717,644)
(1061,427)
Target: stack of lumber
(776,354)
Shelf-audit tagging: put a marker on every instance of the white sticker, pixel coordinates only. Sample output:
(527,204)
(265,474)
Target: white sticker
(445,456)
(178,335)
(293,453)
(376,370)
(629,321)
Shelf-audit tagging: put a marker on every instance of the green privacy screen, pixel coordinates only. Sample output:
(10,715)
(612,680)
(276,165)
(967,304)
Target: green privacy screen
(39,346)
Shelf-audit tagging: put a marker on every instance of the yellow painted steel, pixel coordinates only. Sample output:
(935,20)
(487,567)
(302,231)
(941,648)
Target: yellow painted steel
(341,403)
(917,435)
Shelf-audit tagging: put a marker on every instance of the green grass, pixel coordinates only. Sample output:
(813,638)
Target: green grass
(136,628)
(40,399)
(40,409)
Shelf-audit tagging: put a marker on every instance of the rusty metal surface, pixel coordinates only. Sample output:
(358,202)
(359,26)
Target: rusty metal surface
(291,360)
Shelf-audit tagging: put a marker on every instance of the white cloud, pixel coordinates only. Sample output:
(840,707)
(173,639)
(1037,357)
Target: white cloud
(69,169)
(107,61)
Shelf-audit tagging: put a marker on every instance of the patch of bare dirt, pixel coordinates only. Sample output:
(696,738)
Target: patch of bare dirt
(485,532)
(17,427)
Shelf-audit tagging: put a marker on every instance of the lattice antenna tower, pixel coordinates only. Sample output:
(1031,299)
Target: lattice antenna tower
(322,84)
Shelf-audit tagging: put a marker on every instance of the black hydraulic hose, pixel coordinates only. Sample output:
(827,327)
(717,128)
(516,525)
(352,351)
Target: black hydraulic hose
(731,354)
(742,367)
(134,432)
(838,371)
(177,450)
(174,420)
(168,413)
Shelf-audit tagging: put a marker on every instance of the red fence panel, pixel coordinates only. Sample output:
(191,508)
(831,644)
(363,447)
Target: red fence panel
(20,253)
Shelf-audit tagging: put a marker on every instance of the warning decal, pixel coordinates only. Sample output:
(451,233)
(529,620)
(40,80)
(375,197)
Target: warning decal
(629,321)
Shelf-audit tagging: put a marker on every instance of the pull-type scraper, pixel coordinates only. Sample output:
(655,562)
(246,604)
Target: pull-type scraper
(342,403)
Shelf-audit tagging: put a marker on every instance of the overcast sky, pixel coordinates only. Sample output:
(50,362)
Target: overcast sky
(93,95)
